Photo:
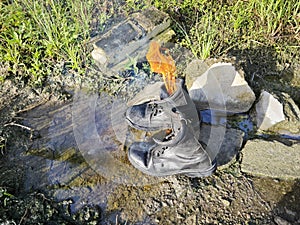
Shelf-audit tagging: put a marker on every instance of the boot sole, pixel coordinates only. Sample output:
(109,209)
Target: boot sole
(189,173)
(206,173)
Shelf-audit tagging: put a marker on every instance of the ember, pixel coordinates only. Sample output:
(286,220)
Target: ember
(162,63)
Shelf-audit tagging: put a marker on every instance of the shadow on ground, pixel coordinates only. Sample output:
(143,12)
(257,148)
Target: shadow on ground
(288,208)
(266,70)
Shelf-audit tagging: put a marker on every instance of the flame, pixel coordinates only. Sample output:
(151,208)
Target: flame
(163,64)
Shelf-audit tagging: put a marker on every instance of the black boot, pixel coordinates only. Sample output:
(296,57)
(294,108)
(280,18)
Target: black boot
(179,153)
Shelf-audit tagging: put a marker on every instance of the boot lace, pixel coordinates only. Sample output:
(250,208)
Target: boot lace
(161,151)
(155,110)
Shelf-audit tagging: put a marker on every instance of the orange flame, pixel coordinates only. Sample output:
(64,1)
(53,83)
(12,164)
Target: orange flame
(164,64)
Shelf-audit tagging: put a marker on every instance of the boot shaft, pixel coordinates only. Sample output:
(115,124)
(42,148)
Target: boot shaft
(163,113)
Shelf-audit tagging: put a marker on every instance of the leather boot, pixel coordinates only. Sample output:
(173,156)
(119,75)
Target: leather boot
(178,153)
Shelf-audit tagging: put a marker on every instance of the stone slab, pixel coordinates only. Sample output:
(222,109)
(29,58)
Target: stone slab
(271,159)
(130,38)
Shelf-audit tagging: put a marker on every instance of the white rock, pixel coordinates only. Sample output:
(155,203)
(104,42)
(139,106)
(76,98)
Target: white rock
(99,56)
(222,88)
(269,111)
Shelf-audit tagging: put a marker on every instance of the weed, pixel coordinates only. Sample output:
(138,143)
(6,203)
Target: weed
(134,5)
(132,64)
(212,28)
(201,37)
(36,35)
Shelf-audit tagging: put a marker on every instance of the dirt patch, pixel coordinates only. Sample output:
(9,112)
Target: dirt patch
(57,185)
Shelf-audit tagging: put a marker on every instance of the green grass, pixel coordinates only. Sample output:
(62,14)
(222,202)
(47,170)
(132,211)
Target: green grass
(212,28)
(37,35)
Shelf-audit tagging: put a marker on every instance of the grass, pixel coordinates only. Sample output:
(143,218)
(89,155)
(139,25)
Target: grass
(205,41)
(36,36)
(212,28)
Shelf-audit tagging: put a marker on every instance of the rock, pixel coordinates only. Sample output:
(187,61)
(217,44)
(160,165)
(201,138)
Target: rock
(269,111)
(99,56)
(291,125)
(130,38)
(220,87)
(280,221)
(224,142)
(196,68)
(225,202)
(191,220)
(271,159)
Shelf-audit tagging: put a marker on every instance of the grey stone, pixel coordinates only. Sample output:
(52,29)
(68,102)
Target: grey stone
(271,159)
(191,220)
(196,68)
(221,88)
(225,202)
(280,221)
(290,214)
(130,39)
(269,111)
(225,142)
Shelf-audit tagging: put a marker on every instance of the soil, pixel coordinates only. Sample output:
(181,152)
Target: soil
(35,135)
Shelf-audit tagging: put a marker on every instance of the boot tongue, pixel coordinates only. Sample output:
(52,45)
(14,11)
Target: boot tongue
(177,135)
